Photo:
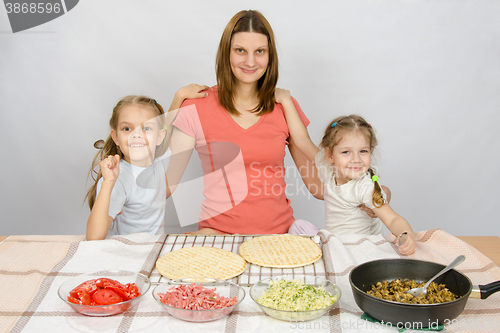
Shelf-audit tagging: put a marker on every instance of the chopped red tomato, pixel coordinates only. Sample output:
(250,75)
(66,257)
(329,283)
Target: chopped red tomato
(120,292)
(106,297)
(85,298)
(88,286)
(73,300)
(102,291)
(133,291)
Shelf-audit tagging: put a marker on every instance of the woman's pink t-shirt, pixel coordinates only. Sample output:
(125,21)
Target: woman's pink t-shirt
(244,170)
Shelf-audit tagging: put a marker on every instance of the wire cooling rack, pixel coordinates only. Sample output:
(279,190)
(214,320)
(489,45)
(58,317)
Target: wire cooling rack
(253,273)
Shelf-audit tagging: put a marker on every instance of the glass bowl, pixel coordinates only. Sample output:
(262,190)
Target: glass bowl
(124,277)
(223,288)
(258,289)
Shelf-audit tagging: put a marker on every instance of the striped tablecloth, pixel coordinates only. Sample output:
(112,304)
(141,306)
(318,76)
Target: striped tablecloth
(33,267)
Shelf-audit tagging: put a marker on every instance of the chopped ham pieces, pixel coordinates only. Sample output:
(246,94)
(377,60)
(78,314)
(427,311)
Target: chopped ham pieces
(195,297)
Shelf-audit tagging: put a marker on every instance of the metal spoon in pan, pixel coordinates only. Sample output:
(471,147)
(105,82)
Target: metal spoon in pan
(417,291)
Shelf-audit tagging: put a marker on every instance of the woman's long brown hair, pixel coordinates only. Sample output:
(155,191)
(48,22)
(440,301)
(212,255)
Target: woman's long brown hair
(246,21)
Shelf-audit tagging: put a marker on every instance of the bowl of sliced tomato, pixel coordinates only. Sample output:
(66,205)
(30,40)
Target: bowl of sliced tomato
(104,293)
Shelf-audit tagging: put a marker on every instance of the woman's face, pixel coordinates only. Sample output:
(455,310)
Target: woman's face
(249,56)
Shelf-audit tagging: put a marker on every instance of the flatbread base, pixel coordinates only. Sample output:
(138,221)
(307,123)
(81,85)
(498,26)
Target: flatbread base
(280,251)
(200,262)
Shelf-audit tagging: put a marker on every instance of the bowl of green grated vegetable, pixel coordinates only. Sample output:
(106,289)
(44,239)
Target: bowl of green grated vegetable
(295,297)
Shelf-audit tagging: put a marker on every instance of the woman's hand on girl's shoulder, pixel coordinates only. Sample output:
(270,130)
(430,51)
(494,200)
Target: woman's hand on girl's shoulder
(370,212)
(192,90)
(110,168)
(282,95)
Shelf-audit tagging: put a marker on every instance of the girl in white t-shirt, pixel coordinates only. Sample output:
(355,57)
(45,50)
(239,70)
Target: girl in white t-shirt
(137,138)
(344,169)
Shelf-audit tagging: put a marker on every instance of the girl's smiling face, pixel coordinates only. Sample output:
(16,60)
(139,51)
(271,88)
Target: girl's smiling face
(249,56)
(137,134)
(351,158)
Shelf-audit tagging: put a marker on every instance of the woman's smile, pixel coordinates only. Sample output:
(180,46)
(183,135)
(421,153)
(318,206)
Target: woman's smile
(249,71)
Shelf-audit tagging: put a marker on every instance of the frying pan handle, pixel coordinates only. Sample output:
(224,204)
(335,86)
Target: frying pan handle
(484,291)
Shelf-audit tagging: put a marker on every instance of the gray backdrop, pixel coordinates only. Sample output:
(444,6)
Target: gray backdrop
(425,74)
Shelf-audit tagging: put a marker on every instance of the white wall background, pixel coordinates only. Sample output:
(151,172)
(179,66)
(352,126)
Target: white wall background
(425,74)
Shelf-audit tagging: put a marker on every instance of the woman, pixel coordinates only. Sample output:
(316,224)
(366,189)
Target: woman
(240,123)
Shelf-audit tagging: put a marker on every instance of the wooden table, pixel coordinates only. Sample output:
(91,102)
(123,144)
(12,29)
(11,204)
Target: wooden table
(488,245)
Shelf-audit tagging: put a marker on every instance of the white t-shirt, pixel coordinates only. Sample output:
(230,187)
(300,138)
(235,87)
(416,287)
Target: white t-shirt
(342,212)
(142,206)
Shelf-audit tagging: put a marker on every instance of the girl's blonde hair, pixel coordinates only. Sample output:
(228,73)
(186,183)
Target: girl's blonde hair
(246,21)
(110,148)
(336,131)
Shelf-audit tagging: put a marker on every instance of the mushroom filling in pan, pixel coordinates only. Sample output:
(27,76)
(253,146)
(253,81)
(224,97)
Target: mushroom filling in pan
(396,291)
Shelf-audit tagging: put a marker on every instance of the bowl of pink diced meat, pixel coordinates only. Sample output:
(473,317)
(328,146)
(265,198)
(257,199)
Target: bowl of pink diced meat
(199,299)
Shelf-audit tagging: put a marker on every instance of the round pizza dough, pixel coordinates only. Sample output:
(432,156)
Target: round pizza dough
(200,262)
(280,251)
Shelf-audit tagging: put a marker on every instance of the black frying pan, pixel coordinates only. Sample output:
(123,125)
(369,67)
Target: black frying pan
(413,315)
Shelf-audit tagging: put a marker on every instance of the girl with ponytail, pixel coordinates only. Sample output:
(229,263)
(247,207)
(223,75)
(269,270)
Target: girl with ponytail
(344,167)
(137,139)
